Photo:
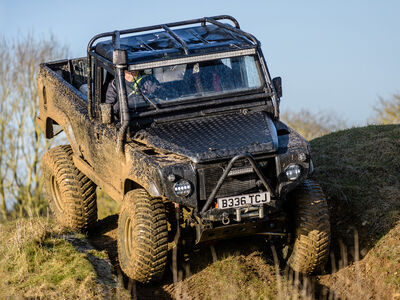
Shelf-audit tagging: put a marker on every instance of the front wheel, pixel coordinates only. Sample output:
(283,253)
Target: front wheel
(142,236)
(309,248)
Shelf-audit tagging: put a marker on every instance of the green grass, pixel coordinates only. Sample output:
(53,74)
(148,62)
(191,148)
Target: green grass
(386,257)
(35,261)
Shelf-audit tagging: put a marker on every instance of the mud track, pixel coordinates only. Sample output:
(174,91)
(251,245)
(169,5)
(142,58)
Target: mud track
(253,254)
(189,262)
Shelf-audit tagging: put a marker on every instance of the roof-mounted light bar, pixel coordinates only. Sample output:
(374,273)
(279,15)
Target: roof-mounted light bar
(192,59)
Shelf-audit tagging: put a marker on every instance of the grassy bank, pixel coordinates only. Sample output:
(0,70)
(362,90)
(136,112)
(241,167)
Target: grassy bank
(359,170)
(38,259)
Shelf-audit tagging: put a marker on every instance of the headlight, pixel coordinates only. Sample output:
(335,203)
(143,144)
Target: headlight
(182,188)
(293,172)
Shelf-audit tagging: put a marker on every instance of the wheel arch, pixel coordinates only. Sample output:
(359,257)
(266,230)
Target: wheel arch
(49,130)
(147,184)
(130,185)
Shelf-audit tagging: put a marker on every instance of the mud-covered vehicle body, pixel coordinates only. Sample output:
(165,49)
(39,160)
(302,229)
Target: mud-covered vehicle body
(210,144)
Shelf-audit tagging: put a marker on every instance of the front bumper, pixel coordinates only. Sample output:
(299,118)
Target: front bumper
(217,224)
(267,226)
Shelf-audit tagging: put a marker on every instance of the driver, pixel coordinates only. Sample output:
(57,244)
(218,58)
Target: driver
(136,85)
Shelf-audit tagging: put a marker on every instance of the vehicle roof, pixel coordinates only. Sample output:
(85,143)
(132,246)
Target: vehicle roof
(162,45)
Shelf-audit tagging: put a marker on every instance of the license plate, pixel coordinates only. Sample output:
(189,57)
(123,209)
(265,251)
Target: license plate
(244,200)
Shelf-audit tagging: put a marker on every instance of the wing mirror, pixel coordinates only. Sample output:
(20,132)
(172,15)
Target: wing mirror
(277,82)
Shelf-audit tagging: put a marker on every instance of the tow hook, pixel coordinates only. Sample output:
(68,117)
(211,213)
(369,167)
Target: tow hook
(225,219)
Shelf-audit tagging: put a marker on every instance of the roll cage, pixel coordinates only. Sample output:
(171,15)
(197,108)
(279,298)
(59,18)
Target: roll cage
(187,55)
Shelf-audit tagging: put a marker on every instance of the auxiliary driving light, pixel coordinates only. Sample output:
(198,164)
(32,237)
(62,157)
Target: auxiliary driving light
(293,172)
(182,188)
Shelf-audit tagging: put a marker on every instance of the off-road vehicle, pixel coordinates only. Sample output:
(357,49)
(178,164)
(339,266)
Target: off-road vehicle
(204,152)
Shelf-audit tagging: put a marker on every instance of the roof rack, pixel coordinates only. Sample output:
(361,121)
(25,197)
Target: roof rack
(167,27)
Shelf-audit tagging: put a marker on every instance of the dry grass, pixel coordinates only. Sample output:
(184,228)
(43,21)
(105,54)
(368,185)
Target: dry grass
(376,276)
(238,273)
(359,172)
(235,277)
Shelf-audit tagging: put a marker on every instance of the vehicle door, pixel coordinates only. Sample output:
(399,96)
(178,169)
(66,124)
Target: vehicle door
(103,152)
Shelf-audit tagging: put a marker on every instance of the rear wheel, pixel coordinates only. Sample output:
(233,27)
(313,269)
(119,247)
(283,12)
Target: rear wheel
(309,248)
(142,236)
(71,195)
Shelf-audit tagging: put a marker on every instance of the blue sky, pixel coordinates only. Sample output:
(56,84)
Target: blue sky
(334,56)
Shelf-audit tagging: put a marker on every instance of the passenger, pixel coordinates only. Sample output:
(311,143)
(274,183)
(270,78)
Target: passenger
(136,86)
(211,76)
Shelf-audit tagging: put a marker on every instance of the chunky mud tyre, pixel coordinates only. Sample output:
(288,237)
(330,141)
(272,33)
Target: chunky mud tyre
(71,195)
(309,250)
(142,236)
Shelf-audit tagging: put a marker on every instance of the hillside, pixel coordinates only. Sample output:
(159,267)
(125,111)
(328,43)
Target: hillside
(359,170)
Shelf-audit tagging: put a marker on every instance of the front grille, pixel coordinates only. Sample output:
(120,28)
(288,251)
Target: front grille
(234,184)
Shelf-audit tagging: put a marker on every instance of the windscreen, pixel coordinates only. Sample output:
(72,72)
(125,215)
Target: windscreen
(194,80)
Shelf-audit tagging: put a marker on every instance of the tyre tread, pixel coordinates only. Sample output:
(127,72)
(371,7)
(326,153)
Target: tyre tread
(312,238)
(147,263)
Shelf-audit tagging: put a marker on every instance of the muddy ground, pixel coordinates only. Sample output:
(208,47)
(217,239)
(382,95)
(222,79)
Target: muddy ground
(190,262)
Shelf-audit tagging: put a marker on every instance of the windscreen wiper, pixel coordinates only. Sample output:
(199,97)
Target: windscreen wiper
(148,99)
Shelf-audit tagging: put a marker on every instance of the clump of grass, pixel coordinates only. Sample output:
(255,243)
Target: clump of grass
(384,258)
(35,262)
(234,277)
(240,276)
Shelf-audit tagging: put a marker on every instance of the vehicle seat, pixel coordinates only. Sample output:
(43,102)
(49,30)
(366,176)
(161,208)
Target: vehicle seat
(108,78)
(84,90)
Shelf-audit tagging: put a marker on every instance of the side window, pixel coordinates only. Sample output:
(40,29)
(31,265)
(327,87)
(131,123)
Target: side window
(103,79)
(107,79)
